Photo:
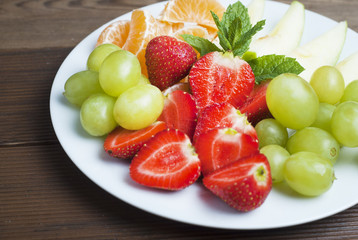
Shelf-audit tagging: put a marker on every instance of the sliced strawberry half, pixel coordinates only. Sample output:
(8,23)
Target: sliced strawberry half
(255,106)
(221,146)
(123,143)
(180,112)
(167,161)
(223,115)
(243,184)
(220,77)
(184,86)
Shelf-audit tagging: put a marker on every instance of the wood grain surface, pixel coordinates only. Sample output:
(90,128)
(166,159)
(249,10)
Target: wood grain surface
(42,193)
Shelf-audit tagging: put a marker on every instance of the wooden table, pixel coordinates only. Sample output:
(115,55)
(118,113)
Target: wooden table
(43,195)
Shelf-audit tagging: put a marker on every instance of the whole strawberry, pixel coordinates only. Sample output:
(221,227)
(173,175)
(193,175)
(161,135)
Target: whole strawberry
(168,60)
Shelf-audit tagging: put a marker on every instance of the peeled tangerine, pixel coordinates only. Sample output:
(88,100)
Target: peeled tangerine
(292,101)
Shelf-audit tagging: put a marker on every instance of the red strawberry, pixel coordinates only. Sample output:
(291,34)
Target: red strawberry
(221,146)
(243,184)
(184,86)
(167,161)
(223,115)
(180,112)
(220,77)
(168,60)
(125,143)
(255,106)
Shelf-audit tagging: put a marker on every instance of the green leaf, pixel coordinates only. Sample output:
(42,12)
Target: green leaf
(241,46)
(202,45)
(222,33)
(235,31)
(234,11)
(270,66)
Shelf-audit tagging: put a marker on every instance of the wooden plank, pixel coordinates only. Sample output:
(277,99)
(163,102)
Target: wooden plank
(42,24)
(25,82)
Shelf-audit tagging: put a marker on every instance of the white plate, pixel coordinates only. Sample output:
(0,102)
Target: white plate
(196,205)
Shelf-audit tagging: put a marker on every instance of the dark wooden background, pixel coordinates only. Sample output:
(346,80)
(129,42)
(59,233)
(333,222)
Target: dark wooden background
(42,193)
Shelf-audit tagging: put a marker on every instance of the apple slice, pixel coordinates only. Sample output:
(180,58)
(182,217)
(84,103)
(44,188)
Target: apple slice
(256,10)
(323,50)
(349,68)
(286,35)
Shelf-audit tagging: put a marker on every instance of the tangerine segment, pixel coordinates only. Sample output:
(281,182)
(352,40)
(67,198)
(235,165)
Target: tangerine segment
(197,11)
(144,27)
(115,33)
(193,30)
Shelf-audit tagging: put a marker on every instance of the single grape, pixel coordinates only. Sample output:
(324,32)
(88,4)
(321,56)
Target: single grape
(351,92)
(98,55)
(344,123)
(139,106)
(328,83)
(143,80)
(97,114)
(80,86)
(292,101)
(311,139)
(324,116)
(119,71)
(308,173)
(276,155)
(270,131)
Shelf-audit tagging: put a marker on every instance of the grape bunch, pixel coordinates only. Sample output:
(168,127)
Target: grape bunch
(112,91)
(321,115)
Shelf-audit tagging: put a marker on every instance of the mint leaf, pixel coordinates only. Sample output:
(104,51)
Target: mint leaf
(202,45)
(235,31)
(234,11)
(241,46)
(222,33)
(270,66)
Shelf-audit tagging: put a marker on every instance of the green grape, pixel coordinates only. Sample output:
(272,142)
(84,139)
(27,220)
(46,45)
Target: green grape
(143,80)
(344,123)
(276,155)
(351,92)
(269,131)
(308,173)
(328,83)
(80,86)
(98,55)
(311,139)
(138,107)
(97,114)
(324,116)
(292,101)
(119,71)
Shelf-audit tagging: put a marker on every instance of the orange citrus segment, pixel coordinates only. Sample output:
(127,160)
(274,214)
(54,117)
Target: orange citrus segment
(116,33)
(197,11)
(144,27)
(193,30)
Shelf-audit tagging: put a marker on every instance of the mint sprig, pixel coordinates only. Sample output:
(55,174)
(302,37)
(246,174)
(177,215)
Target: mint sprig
(270,66)
(235,33)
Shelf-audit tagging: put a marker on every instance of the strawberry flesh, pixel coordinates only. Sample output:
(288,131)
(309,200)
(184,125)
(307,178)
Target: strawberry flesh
(243,184)
(223,115)
(168,60)
(220,77)
(255,106)
(180,112)
(123,143)
(167,161)
(221,146)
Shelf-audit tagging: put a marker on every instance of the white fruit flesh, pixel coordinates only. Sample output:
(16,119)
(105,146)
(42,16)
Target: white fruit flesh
(348,68)
(286,35)
(256,10)
(323,50)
